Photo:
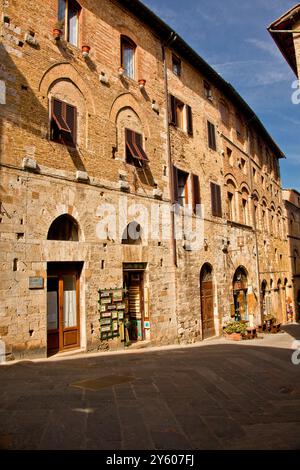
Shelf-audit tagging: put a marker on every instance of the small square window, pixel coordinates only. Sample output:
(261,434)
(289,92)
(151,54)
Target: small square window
(176,65)
(207,90)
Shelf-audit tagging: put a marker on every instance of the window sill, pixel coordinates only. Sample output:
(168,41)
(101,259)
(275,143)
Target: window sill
(239,225)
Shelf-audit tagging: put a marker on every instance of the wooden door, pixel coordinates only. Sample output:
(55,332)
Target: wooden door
(63,316)
(207,307)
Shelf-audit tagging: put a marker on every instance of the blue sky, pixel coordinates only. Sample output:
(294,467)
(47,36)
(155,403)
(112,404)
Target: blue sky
(231,36)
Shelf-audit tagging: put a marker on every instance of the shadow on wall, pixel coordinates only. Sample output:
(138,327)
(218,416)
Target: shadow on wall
(23,115)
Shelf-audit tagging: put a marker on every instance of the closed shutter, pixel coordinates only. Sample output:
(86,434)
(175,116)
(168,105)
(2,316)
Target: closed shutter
(195,192)
(175,184)
(216,202)
(189,116)
(172,110)
(211,135)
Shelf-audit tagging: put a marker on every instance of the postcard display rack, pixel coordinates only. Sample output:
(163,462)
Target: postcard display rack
(112,308)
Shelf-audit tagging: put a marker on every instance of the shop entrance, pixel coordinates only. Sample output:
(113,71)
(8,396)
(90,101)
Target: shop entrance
(136,316)
(63,313)
(240,294)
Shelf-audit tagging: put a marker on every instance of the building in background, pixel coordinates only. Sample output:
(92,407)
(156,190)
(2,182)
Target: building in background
(286,34)
(102,107)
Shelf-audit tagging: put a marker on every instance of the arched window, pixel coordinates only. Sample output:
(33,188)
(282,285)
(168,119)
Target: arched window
(292,223)
(295,261)
(245,207)
(273,227)
(128,48)
(264,217)
(231,192)
(64,228)
(132,234)
(255,208)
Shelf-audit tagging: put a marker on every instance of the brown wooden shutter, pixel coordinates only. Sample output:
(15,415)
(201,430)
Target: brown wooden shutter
(172,110)
(219,200)
(58,115)
(216,201)
(175,184)
(138,145)
(71,120)
(195,192)
(211,136)
(189,120)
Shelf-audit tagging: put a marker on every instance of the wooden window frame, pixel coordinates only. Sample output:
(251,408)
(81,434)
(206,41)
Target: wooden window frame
(176,63)
(207,90)
(130,44)
(182,120)
(65,20)
(196,197)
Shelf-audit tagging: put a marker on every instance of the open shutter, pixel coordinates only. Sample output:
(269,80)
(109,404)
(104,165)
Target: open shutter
(175,184)
(58,115)
(189,117)
(138,145)
(71,120)
(172,110)
(195,192)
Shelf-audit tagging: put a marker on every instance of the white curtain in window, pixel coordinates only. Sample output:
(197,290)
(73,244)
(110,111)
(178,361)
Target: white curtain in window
(69,301)
(128,61)
(73,26)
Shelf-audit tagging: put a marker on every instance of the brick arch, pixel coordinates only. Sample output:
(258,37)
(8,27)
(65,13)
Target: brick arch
(125,31)
(127,100)
(230,176)
(66,71)
(244,186)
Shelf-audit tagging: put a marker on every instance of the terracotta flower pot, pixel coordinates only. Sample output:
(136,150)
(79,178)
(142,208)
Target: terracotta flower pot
(56,33)
(142,82)
(233,336)
(85,50)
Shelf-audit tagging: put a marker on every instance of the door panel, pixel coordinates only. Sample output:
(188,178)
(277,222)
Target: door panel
(207,310)
(52,314)
(63,311)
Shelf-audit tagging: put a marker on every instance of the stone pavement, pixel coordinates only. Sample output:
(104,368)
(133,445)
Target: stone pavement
(215,395)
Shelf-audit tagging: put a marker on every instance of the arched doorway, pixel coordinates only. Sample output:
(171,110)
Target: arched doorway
(207,302)
(240,293)
(264,286)
(63,286)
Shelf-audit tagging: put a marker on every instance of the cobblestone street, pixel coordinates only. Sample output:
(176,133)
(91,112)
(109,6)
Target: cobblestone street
(216,395)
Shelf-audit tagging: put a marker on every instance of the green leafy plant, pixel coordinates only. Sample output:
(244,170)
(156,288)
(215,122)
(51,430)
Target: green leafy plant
(235,327)
(270,317)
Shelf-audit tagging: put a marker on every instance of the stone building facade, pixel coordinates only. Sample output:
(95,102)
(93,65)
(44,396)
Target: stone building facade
(108,119)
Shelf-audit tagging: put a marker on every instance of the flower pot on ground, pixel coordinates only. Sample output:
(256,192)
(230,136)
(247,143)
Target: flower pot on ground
(235,330)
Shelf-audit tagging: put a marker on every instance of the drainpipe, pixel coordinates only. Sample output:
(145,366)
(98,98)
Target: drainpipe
(171,40)
(255,232)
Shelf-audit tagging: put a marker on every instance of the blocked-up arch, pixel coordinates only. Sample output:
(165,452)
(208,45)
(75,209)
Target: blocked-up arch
(127,100)
(67,71)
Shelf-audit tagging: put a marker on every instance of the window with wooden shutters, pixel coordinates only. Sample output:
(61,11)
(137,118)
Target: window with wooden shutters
(182,184)
(211,136)
(63,123)
(189,119)
(135,153)
(195,192)
(216,202)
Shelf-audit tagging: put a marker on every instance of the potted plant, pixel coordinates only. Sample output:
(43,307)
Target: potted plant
(235,330)
(85,50)
(121,71)
(57,31)
(142,82)
(269,320)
